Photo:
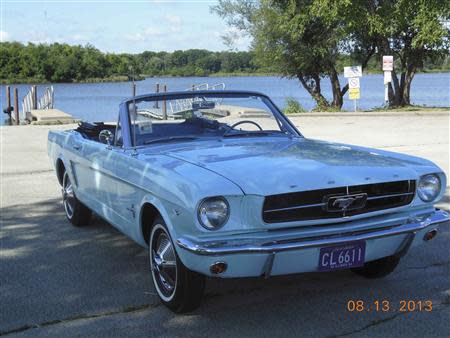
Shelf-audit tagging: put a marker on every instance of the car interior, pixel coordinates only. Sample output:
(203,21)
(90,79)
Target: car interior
(194,126)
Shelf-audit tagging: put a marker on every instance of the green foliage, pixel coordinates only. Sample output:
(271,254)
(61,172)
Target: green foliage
(64,63)
(416,32)
(300,39)
(293,107)
(314,39)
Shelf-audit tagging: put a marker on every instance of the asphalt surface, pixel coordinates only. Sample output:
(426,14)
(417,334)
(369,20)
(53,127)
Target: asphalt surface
(57,280)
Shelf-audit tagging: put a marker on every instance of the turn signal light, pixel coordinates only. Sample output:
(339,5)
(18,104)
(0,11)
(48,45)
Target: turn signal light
(218,267)
(430,235)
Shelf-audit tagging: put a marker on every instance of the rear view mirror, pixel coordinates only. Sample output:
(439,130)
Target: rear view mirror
(106,136)
(203,105)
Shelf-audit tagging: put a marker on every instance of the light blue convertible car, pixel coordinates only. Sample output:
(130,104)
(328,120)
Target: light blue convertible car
(221,184)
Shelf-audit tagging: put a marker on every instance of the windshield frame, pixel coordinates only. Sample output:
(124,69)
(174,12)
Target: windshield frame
(124,115)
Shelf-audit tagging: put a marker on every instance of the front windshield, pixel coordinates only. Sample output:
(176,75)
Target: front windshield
(204,116)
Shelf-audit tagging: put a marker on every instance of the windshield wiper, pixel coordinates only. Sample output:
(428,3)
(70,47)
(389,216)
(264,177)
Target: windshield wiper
(172,138)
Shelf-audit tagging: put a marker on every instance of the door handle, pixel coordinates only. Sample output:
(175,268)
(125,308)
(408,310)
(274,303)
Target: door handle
(76,146)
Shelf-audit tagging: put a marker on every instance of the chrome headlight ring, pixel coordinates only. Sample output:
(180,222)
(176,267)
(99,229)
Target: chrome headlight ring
(213,212)
(429,187)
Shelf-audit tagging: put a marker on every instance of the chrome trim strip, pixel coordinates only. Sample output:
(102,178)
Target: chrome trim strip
(297,207)
(391,195)
(322,204)
(213,248)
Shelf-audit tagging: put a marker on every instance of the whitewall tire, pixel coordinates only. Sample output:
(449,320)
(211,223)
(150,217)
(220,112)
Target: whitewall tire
(179,288)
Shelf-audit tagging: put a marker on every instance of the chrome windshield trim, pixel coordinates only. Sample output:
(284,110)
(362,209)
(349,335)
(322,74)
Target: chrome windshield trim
(214,248)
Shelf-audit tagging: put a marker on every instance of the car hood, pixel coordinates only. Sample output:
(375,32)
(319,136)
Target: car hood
(279,165)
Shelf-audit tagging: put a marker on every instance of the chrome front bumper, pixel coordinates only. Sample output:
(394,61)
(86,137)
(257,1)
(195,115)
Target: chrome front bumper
(229,247)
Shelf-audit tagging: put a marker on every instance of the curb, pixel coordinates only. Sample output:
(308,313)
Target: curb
(367,114)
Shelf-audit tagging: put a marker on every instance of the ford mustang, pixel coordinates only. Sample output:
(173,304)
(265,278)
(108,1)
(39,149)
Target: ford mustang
(222,184)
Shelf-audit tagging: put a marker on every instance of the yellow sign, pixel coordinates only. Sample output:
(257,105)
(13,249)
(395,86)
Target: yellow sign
(353,93)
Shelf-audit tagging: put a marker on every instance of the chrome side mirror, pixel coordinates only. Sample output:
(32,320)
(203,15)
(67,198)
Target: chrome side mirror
(106,136)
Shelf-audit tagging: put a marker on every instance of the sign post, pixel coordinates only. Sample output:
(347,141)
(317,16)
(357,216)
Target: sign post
(353,74)
(388,67)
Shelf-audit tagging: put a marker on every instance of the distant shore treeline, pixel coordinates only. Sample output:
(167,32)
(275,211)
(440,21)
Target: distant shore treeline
(64,63)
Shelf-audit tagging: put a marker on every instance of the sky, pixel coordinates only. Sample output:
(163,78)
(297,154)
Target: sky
(117,26)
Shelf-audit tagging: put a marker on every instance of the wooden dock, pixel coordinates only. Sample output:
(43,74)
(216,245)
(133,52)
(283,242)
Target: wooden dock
(34,110)
(50,116)
(46,116)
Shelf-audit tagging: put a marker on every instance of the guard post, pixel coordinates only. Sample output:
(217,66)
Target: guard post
(16,106)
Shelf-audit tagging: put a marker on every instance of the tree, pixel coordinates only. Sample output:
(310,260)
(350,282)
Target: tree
(305,39)
(412,31)
(300,39)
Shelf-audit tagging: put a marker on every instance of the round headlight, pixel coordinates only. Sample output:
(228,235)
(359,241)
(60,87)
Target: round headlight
(213,212)
(429,187)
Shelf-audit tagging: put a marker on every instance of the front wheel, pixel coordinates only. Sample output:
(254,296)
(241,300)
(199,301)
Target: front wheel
(179,288)
(379,268)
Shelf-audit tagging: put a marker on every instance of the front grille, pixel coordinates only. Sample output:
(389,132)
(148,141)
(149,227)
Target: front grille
(313,204)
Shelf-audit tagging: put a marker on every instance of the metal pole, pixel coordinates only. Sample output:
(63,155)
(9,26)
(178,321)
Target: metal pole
(52,97)
(16,105)
(157,91)
(133,89)
(8,97)
(34,91)
(354,101)
(164,107)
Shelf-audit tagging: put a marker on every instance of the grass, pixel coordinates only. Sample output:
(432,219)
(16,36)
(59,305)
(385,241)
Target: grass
(293,107)
(411,108)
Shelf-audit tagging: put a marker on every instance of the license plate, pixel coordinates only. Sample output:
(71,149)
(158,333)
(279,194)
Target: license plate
(342,257)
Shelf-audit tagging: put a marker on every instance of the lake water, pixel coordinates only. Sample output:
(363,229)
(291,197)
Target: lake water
(99,101)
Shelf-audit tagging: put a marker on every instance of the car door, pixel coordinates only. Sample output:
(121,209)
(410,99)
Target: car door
(94,169)
(127,195)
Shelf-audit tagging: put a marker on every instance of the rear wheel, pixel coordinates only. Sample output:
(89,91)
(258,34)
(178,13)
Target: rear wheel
(379,268)
(179,288)
(76,212)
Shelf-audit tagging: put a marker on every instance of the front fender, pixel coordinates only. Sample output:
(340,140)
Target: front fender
(163,209)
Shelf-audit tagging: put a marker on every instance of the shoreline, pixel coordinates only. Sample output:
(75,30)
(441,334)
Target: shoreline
(395,112)
(124,78)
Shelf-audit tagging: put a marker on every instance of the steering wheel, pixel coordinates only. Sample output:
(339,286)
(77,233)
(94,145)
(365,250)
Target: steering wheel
(246,121)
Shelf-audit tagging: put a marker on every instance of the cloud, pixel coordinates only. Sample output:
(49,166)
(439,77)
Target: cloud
(173,19)
(146,34)
(79,37)
(174,22)
(4,36)
(38,37)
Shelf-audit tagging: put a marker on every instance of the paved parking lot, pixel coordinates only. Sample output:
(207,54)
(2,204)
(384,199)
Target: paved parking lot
(57,280)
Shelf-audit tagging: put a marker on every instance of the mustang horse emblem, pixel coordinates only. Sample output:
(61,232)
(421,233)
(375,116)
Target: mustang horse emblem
(346,203)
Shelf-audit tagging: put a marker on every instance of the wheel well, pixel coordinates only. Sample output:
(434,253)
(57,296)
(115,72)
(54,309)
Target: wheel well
(148,215)
(60,169)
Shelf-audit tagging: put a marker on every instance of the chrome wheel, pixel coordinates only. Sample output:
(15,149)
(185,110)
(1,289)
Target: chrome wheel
(163,262)
(68,196)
